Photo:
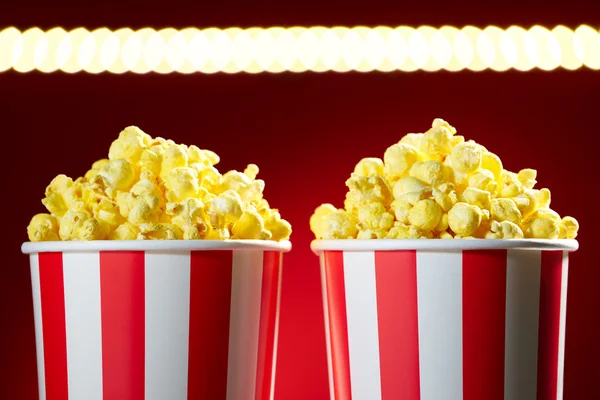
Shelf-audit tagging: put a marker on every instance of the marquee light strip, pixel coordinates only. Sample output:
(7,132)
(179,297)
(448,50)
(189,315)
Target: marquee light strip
(299,49)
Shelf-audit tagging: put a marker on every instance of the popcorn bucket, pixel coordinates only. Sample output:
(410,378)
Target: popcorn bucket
(445,319)
(160,320)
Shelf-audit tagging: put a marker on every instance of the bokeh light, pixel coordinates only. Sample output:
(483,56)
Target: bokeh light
(300,49)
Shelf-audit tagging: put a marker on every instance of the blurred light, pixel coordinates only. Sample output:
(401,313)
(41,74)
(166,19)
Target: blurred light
(299,49)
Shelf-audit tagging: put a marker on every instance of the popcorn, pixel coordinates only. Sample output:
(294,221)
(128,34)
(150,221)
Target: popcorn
(43,227)
(438,185)
(330,223)
(398,159)
(366,189)
(464,219)
(374,221)
(369,166)
(154,189)
(505,210)
(425,215)
(466,157)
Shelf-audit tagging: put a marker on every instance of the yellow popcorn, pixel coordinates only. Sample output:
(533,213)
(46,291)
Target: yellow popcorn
(206,157)
(154,189)
(279,228)
(250,226)
(223,211)
(477,197)
(437,142)
(443,225)
(483,179)
(369,166)
(568,228)
(505,210)
(413,139)
(404,231)
(431,172)
(126,231)
(249,189)
(43,227)
(445,199)
(78,224)
(190,217)
(128,146)
(466,157)
(117,174)
(492,163)
(542,198)
(181,184)
(443,186)
(374,220)
(408,184)
(159,231)
(527,177)
(151,161)
(446,235)
(504,230)
(401,208)
(175,156)
(334,224)
(425,215)
(364,190)
(318,221)
(96,166)
(398,159)
(464,219)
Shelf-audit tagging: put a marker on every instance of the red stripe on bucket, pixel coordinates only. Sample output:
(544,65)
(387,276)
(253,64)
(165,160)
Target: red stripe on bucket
(210,303)
(266,332)
(338,322)
(484,308)
(122,297)
(52,291)
(549,321)
(397,315)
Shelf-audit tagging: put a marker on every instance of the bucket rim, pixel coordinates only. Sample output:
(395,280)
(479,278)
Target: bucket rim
(356,245)
(154,245)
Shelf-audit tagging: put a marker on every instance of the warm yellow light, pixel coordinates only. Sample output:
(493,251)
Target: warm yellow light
(299,49)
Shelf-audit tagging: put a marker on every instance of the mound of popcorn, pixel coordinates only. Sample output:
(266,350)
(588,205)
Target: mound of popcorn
(437,185)
(152,188)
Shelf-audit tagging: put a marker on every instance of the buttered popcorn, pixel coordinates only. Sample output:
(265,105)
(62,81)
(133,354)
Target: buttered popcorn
(438,185)
(154,189)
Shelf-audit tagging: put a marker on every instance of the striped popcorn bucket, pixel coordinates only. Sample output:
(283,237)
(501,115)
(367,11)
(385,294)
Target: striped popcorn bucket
(163,320)
(445,320)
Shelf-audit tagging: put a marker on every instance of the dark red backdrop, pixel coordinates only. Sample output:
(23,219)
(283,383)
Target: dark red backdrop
(305,132)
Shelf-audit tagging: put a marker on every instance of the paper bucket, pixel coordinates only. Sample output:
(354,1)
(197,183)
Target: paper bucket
(164,320)
(445,319)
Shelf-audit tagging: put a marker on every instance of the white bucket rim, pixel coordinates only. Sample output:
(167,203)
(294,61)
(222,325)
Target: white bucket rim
(154,245)
(355,245)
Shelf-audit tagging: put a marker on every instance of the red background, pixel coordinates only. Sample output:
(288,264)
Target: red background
(306,132)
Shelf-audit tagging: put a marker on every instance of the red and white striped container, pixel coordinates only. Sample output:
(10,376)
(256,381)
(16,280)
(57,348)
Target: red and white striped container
(445,319)
(142,320)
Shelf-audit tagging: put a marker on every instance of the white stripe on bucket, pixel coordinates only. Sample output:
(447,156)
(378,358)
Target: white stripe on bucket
(167,280)
(562,326)
(363,337)
(439,292)
(81,272)
(244,324)
(327,329)
(34,262)
(523,271)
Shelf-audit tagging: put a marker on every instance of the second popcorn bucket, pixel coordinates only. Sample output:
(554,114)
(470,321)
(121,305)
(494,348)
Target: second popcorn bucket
(436,319)
(156,276)
(156,319)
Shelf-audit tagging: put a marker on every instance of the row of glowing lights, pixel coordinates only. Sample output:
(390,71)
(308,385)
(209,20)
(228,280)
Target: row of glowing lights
(316,49)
